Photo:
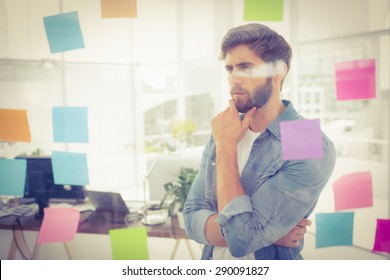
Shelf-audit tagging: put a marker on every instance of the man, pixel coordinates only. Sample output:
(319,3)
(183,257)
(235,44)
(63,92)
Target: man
(246,199)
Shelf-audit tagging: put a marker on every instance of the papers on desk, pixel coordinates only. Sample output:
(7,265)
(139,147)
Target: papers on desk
(83,207)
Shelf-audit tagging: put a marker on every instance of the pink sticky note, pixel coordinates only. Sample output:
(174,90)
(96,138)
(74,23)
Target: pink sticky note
(353,191)
(301,139)
(382,236)
(58,225)
(355,79)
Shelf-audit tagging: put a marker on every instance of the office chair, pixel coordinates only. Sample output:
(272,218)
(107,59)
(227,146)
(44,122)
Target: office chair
(129,243)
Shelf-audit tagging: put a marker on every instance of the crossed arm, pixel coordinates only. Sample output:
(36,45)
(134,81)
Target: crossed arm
(291,239)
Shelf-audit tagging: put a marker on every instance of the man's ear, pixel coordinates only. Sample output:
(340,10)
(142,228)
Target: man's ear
(280,70)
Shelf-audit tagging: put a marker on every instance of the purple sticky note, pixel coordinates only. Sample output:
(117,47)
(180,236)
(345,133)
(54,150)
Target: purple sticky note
(353,191)
(382,236)
(58,225)
(301,139)
(355,79)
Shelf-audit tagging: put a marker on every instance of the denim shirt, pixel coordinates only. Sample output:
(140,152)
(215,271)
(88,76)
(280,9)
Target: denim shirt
(279,193)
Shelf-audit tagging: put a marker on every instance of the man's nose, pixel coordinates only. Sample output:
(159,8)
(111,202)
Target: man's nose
(235,78)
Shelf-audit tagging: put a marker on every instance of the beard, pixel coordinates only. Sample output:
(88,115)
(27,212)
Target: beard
(258,99)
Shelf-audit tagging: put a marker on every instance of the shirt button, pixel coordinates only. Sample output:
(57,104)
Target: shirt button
(213,163)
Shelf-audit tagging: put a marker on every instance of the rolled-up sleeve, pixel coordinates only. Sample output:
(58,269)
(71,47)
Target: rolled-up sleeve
(238,205)
(196,209)
(196,228)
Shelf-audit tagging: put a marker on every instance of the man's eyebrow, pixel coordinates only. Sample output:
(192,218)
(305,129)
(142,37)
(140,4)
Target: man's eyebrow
(239,65)
(245,64)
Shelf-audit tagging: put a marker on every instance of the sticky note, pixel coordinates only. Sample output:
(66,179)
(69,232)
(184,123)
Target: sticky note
(58,225)
(301,139)
(353,191)
(334,229)
(63,32)
(355,80)
(382,236)
(129,243)
(12,176)
(70,124)
(263,10)
(70,168)
(118,8)
(14,126)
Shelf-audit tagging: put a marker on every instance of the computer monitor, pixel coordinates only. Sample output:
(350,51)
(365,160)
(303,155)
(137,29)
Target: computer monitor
(40,184)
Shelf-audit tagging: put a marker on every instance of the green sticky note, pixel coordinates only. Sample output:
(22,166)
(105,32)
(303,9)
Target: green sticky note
(129,243)
(263,10)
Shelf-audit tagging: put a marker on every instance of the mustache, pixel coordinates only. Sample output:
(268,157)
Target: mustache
(238,89)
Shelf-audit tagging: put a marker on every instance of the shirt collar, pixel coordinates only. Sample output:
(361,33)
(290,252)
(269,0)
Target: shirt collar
(289,113)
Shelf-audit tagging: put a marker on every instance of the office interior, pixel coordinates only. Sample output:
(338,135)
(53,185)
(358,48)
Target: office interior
(152,84)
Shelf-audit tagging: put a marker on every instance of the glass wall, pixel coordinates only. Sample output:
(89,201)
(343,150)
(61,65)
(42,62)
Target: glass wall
(152,84)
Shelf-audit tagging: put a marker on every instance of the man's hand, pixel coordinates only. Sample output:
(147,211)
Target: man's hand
(227,128)
(291,239)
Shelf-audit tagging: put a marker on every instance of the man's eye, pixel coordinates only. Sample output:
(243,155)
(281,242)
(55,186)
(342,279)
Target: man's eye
(245,67)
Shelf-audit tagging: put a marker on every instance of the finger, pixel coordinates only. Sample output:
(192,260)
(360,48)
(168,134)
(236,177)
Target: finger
(245,121)
(232,106)
(299,237)
(293,243)
(299,230)
(304,223)
(297,233)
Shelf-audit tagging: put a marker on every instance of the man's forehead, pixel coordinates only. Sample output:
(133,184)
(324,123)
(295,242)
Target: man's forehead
(242,54)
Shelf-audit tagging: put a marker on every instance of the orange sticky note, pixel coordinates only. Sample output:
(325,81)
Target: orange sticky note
(58,225)
(118,8)
(14,126)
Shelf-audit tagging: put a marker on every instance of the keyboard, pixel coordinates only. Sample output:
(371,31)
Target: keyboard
(20,210)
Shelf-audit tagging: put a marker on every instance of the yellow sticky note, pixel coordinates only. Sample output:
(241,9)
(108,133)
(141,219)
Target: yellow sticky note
(14,126)
(118,8)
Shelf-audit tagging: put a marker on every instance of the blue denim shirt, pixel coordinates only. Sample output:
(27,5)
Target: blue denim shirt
(279,193)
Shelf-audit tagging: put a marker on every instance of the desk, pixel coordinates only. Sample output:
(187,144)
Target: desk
(96,224)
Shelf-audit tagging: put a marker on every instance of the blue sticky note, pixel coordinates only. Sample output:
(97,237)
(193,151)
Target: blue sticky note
(63,32)
(12,176)
(301,139)
(334,229)
(70,168)
(70,124)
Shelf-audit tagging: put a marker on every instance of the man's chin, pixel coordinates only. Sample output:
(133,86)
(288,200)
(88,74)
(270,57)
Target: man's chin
(243,109)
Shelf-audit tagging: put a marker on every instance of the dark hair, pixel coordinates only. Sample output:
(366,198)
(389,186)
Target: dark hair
(266,43)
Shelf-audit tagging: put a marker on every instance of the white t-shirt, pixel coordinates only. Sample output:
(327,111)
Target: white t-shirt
(243,150)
